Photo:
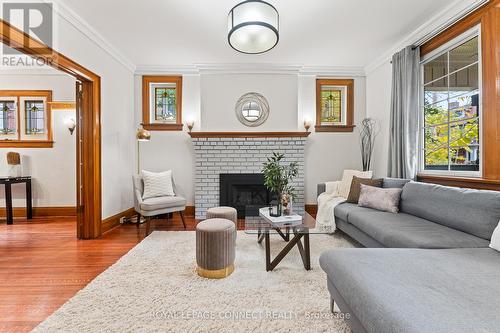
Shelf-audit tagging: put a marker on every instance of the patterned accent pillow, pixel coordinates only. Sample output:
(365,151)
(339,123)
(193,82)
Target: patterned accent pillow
(495,238)
(384,199)
(356,187)
(157,184)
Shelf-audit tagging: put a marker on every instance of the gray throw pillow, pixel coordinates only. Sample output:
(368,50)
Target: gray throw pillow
(384,199)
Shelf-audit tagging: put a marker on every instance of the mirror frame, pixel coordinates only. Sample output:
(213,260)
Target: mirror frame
(257,98)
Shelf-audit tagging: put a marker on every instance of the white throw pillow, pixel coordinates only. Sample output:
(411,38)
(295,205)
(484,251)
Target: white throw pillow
(157,184)
(345,185)
(495,238)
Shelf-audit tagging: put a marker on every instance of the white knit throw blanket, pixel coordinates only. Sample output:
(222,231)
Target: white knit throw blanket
(327,201)
(335,194)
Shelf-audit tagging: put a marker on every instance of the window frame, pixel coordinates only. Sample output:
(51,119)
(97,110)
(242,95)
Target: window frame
(348,85)
(21,141)
(443,49)
(148,82)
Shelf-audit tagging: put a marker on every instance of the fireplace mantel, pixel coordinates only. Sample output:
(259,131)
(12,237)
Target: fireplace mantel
(249,134)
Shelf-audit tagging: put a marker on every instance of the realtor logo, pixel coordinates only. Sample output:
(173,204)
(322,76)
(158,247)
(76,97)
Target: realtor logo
(35,19)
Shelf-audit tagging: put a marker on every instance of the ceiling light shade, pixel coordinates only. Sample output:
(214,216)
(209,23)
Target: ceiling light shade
(253,27)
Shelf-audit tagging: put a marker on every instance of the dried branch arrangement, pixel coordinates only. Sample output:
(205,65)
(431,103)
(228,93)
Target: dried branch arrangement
(368,134)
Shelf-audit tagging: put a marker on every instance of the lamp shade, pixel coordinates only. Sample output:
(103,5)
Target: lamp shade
(253,27)
(143,135)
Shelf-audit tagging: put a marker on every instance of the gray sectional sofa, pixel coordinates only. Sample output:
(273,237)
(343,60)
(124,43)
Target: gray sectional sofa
(426,269)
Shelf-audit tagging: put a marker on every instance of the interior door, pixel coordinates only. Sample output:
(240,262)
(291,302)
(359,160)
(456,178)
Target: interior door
(79,161)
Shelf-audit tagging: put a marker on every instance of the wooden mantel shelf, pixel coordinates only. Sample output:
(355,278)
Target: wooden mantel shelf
(249,134)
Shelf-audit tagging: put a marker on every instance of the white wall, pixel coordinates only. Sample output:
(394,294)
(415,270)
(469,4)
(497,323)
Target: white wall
(117,115)
(210,100)
(53,169)
(328,153)
(220,92)
(172,150)
(378,101)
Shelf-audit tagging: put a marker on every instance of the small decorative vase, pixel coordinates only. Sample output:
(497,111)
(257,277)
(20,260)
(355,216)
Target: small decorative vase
(286,201)
(14,170)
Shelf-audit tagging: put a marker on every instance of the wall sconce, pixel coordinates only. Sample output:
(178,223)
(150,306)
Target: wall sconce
(190,124)
(307,124)
(71,124)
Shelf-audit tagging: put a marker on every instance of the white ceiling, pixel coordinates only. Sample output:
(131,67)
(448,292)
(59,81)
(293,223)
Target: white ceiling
(350,33)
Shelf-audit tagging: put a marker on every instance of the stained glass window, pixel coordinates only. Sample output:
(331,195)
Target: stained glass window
(165,104)
(8,120)
(331,105)
(34,117)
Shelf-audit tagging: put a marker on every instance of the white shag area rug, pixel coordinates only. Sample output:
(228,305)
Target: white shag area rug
(155,288)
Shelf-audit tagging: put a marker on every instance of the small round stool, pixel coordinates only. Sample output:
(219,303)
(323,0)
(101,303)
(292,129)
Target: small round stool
(223,212)
(215,248)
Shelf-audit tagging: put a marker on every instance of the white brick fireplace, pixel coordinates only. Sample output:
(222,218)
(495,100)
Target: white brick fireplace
(221,155)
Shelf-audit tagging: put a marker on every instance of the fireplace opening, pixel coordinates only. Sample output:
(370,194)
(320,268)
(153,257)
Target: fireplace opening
(244,191)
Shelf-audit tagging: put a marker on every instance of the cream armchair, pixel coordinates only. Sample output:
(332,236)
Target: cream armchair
(152,207)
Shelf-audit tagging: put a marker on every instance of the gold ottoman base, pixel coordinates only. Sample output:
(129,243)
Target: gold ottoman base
(216,273)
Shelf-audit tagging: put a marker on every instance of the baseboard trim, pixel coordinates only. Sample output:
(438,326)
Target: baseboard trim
(41,211)
(113,221)
(312,209)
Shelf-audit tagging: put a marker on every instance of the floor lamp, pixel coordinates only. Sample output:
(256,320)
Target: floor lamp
(142,135)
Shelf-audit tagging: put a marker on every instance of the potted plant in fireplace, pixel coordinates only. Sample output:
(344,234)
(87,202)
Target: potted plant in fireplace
(278,178)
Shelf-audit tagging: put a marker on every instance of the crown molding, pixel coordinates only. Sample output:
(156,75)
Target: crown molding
(81,25)
(248,68)
(339,71)
(165,70)
(431,27)
(252,68)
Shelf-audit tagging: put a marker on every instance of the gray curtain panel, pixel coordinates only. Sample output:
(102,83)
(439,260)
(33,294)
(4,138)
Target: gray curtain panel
(403,144)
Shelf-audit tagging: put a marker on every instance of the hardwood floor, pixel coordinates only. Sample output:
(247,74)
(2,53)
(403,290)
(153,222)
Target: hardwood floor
(42,264)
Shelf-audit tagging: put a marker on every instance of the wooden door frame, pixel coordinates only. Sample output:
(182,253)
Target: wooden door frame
(89,200)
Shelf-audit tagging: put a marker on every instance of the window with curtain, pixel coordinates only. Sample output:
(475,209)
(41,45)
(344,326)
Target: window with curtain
(451,101)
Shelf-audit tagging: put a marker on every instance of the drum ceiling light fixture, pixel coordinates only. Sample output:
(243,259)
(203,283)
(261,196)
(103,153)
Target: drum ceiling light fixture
(253,27)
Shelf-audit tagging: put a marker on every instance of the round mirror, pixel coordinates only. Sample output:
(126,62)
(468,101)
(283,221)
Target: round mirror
(252,109)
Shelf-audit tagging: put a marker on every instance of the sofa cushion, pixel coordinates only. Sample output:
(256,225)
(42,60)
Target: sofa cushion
(404,230)
(343,210)
(416,290)
(394,182)
(162,203)
(476,212)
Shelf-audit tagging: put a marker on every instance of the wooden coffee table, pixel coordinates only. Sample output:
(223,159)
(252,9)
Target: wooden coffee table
(263,228)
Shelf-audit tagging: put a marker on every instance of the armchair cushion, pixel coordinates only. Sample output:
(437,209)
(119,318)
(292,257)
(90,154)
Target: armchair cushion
(157,203)
(157,184)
